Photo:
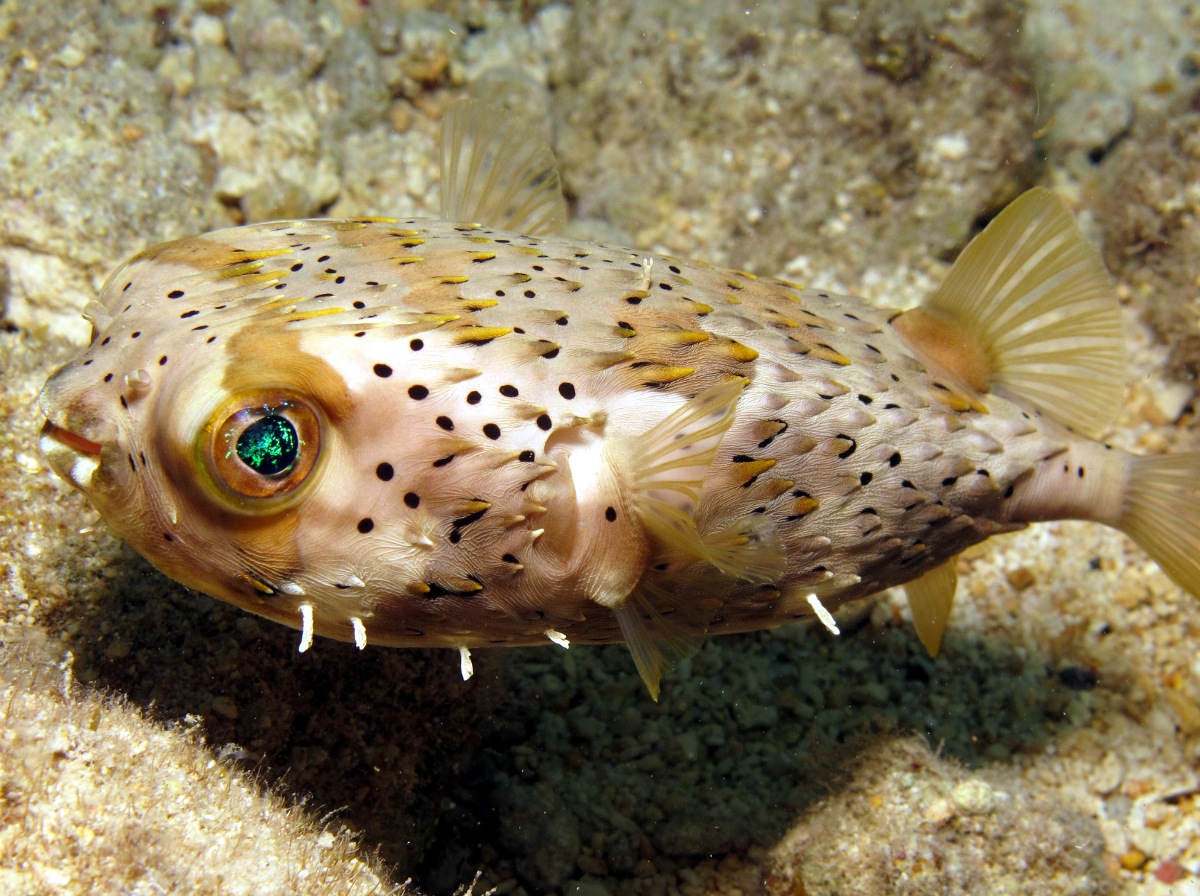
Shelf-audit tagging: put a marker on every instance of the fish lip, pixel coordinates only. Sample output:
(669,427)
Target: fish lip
(72,441)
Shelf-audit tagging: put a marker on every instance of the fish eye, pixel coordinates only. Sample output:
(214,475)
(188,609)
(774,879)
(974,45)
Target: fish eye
(262,445)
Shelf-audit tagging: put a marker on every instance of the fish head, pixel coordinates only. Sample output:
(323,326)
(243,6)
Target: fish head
(214,440)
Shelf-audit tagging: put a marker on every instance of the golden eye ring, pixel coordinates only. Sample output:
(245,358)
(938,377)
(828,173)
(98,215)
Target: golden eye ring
(262,445)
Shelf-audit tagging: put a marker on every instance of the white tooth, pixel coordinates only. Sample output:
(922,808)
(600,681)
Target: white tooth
(558,638)
(355,582)
(360,632)
(464,663)
(291,588)
(824,615)
(83,469)
(306,627)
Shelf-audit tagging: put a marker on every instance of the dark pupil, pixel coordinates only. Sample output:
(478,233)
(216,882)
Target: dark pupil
(269,445)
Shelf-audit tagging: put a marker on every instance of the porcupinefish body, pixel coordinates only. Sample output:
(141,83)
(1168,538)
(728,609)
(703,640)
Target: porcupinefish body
(460,434)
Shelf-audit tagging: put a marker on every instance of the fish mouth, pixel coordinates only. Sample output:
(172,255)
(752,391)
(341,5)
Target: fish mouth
(72,456)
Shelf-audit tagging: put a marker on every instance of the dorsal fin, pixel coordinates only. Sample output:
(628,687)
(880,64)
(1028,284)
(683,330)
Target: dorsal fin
(497,171)
(1028,311)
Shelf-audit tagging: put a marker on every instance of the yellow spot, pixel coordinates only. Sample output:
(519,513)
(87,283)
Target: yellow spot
(471,585)
(411,241)
(688,337)
(825,353)
(309,315)
(776,487)
(479,335)
(419,588)
(741,352)
(482,256)
(470,507)
(257,584)
(701,308)
(636,294)
(805,506)
(409,259)
(791,285)
(479,239)
(237,269)
(626,333)
(528,250)
(453,278)
(662,373)
(745,274)
(404,232)
(733,300)
(572,285)
(261,253)
(749,469)
(348,225)
(521,278)
(479,304)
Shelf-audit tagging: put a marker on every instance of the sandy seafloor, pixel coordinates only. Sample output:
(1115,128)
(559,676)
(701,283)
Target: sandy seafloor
(156,741)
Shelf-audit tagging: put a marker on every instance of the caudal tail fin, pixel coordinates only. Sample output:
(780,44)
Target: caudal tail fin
(1161,512)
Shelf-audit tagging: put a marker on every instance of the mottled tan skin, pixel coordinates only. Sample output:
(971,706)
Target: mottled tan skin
(869,465)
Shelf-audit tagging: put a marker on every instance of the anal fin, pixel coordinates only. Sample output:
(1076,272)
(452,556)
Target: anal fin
(930,598)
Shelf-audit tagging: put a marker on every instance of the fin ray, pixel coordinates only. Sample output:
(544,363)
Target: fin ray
(497,171)
(1161,512)
(1034,306)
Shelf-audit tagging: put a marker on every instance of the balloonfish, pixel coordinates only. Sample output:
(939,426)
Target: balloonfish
(475,431)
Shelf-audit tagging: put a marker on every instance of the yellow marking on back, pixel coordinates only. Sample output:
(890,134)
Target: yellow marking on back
(776,487)
(453,279)
(309,315)
(479,304)
(259,254)
(409,259)
(362,222)
(661,374)
(636,294)
(805,506)
(686,337)
(482,256)
(521,278)
(750,469)
(740,352)
(238,269)
(479,335)
(825,353)
(411,242)
(741,273)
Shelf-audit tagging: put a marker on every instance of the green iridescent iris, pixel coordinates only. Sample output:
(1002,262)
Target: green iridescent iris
(269,445)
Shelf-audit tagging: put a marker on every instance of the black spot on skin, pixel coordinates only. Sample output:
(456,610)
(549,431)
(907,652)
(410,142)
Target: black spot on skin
(865,399)
(361,333)
(510,558)
(418,393)
(168,536)
(666,286)
(982,473)
(949,481)
(634,300)
(455,536)
(124,403)
(445,423)
(491,430)
(1079,472)
(107,340)
(866,478)
(509,391)
(566,390)
(365,525)
(610,514)
(188,314)
(894,460)
(360,305)
(464,521)
(173,294)
(1008,492)
(553,353)
(382,370)
(412,499)
(443,461)
(416,344)
(474,398)
(162,361)
(297,266)
(108,377)
(544,423)
(907,484)
(562,321)
(530,294)
(385,472)
(526,457)
(132,463)
(853,446)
